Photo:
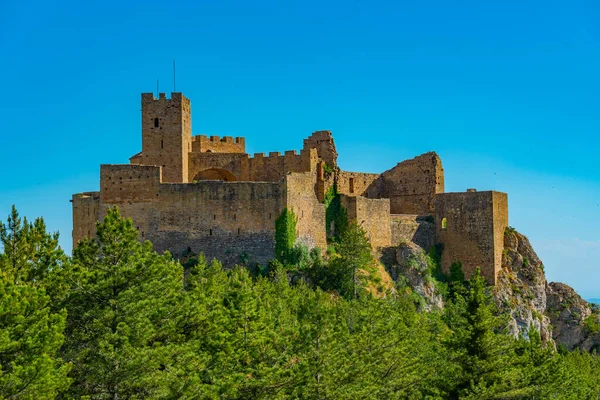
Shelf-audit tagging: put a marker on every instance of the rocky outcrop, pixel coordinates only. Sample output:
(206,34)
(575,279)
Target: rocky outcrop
(413,265)
(521,287)
(554,309)
(575,321)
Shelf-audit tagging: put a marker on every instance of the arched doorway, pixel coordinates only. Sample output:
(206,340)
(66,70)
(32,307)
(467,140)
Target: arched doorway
(215,174)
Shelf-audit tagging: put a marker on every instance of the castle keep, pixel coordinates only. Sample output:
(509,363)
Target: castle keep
(206,194)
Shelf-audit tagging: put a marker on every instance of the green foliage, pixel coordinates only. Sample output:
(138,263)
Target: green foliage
(31,328)
(350,268)
(335,214)
(592,323)
(122,305)
(30,336)
(456,272)
(135,329)
(327,168)
(285,234)
(30,254)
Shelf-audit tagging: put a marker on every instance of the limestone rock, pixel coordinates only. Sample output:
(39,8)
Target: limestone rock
(576,322)
(521,287)
(411,263)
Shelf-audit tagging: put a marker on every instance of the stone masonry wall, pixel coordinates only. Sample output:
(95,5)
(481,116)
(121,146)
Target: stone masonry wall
(412,228)
(217,144)
(373,215)
(500,215)
(86,211)
(411,185)
(220,219)
(125,182)
(471,227)
(302,199)
(260,168)
(166,135)
(323,142)
(354,183)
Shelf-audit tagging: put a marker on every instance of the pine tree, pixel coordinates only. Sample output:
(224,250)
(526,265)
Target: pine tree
(30,253)
(30,336)
(123,306)
(351,269)
(487,365)
(31,331)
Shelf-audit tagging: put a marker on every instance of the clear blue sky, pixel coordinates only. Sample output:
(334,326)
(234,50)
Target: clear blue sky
(507,92)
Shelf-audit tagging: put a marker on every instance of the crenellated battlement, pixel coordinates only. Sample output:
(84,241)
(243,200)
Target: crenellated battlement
(162,97)
(218,144)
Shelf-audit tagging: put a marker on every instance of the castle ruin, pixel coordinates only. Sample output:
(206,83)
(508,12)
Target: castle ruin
(206,194)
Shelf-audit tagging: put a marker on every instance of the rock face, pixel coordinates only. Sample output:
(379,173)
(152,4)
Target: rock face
(555,310)
(521,287)
(412,263)
(575,321)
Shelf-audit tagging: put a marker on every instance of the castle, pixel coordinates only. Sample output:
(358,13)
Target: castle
(208,195)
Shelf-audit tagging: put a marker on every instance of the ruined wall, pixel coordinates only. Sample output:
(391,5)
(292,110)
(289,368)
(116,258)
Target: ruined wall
(471,227)
(411,185)
(302,199)
(217,144)
(166,135)
(413,228)
(323,142)
(354,183)
(125,183)
(86,211)
(373,215)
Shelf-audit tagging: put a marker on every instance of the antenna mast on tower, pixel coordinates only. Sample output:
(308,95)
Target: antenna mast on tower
(174,87)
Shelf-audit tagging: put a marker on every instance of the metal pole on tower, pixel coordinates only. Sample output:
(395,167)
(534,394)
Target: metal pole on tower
(157,94)
(174,86)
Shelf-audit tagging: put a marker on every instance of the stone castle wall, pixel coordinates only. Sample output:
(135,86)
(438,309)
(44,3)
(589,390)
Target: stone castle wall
(471,226)
(373,215)
(355,183)
(217,144)
(411,185)
(260,168)
(412,228)
(221,219)
(86,212)
(302,199)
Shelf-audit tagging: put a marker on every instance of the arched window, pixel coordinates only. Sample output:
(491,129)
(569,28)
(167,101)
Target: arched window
(156,122)
(444,224)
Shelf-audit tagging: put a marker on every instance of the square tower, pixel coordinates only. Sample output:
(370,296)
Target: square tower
(166,135)
(471,227)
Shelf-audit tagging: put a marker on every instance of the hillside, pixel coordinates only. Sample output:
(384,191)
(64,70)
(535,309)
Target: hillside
(119,320)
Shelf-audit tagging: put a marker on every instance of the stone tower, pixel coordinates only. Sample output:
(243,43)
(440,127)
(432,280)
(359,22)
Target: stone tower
(166,135)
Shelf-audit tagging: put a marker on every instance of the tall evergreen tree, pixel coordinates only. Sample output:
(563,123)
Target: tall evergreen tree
(123,306)
(351,269)
(31,331)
